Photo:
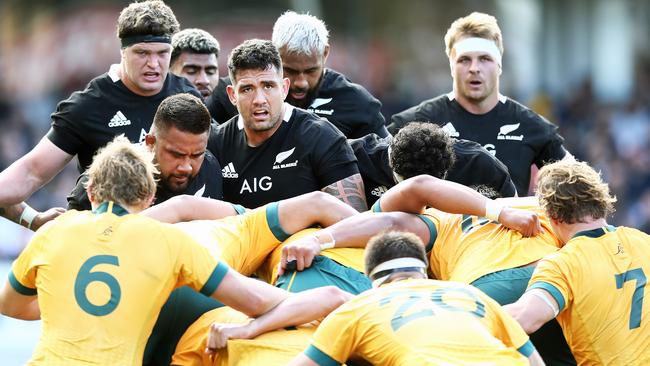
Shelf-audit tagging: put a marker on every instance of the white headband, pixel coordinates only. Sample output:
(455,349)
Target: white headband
(475,44)
(398,263)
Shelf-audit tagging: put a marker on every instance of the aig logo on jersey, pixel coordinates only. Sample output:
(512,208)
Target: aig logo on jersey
(504,133)
(229,171)
(281,157)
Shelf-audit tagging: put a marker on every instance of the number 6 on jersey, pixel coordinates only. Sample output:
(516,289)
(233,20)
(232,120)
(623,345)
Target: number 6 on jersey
(85,277)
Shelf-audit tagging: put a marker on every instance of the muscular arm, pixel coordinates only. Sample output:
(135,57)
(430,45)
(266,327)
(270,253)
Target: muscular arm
(187,208)
(309,209)
(530,311)
(349,190)
(274,307)
(18,306)
(14,213)
(417,193)
(30,172)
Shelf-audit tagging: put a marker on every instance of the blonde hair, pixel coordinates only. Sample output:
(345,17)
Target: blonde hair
(571,191)
(122,172)
(478,25)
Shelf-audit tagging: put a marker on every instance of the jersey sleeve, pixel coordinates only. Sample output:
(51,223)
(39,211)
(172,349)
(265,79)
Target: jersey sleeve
(336,338)
(22,276)
(66,131)
(332,157)
(550,143)
(551,274)
(78,198)
(197,267)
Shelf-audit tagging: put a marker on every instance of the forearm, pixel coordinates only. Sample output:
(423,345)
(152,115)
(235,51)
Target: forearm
(349,190)
(29,311)
(187,208)
(415,194)
(18,183)
(299,308)
(315,208)
(356,231)
(20,213)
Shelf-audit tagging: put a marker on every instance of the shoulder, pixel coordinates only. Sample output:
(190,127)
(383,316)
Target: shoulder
(94,94)
(179,84)
(337,84)
(525,114)
(307,123)
(426,110)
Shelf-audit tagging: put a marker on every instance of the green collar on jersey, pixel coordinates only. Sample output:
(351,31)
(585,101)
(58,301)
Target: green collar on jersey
(595,233)
(112,207)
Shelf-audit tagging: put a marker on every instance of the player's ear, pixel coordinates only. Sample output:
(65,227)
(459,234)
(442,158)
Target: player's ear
(326,52)
(230,90)
(285,87)
(150,140)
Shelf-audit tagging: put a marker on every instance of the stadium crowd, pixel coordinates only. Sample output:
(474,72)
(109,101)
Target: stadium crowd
(277,216)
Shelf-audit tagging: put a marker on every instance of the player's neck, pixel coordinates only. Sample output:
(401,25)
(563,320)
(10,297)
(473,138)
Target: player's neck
(476,107)
(590,224)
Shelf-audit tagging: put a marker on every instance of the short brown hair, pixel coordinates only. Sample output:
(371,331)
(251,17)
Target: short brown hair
(183,111)
(122,172)
(392,245)
(253,54)
(478,25)
(151,17)
(571,191)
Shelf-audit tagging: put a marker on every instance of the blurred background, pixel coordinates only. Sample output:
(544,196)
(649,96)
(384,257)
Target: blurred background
(583,64)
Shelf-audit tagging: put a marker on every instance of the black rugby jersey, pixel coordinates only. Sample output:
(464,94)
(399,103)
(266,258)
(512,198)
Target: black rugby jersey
(473,166)
(305,154)
(349,106)
(91,118)
(516,135)
(218,103)
(207,183)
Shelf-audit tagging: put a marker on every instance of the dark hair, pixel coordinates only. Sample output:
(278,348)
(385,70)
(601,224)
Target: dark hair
(152,17)
(392,245)
(193,40)
(422,148)
(183,111)
(253,54)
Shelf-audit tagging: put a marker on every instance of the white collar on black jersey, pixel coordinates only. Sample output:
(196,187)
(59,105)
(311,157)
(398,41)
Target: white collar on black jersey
(451,95)
(114,72)
(288,110)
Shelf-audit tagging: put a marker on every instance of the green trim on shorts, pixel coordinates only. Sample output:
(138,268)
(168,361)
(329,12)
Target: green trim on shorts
(23,290)
(273,219)
(215,279)
(324,272)
(551,289)
(320,357)
(376,207)
(527,349)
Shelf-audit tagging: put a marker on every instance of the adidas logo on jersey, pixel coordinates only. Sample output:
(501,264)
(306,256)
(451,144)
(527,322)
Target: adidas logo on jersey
(229,171)
(119,119)
(378,191)
(506,129)
(450,130)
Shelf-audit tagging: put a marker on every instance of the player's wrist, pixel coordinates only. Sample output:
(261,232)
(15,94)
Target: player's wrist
(325,240)
(27,217)
(493,210)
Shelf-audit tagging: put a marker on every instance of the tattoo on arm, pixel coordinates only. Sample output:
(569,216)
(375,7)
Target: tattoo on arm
(349,190)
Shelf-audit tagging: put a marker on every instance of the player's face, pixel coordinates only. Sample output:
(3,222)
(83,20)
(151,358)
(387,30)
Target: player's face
(179,156)
(200,69)
(145,67)
(305,73)
(259,95)
(476,75)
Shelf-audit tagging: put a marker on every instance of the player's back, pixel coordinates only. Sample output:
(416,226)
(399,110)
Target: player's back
(468,247)
(600,280)
(101,281)
(422,322)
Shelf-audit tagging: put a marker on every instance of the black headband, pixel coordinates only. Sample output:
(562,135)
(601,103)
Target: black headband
(147,38)
(383,273)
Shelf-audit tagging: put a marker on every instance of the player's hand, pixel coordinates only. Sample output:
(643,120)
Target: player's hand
(302,251)
(523,221)
(43,217)
(219,334)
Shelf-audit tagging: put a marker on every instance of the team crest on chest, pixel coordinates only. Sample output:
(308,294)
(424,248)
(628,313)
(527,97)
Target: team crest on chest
(505,130)
(281,157)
